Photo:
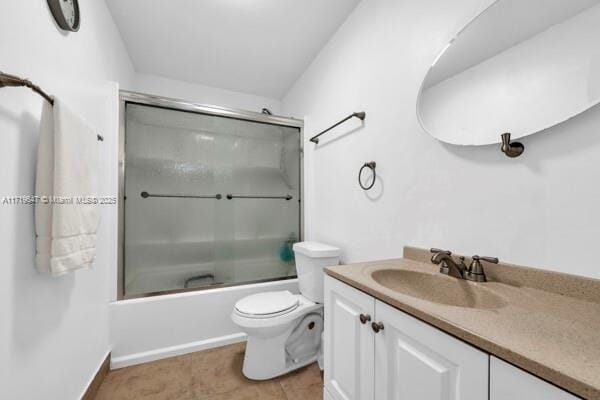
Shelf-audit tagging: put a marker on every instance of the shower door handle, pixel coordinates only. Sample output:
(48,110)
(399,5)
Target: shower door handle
(286,197)
(145,195)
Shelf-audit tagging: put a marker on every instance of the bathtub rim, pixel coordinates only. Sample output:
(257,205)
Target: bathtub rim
(218,286)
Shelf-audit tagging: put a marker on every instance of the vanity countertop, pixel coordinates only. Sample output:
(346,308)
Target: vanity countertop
(548,323)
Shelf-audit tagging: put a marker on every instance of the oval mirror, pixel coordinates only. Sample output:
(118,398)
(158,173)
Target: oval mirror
(521,66)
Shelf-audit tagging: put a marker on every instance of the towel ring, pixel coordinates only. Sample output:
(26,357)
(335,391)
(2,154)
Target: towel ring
(371,165)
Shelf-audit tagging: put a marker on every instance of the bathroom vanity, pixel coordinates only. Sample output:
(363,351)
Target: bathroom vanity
(401,330)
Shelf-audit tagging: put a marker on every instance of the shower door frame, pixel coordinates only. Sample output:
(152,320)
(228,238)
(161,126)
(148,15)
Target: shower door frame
(129,97)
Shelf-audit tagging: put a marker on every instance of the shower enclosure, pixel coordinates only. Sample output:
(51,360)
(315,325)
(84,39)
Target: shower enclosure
(210,197)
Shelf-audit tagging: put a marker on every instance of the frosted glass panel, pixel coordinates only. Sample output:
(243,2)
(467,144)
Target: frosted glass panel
(175,237)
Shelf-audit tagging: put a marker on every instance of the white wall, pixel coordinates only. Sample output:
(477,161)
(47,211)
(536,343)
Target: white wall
(539,210)
(166,87)
(54,331)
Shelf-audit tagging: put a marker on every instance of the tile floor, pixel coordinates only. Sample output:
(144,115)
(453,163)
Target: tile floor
(208,375)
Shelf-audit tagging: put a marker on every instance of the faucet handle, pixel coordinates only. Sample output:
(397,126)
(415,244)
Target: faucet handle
(434,250)
(475,271)
(493,260)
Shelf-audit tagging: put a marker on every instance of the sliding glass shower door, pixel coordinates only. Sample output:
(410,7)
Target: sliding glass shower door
(209,200)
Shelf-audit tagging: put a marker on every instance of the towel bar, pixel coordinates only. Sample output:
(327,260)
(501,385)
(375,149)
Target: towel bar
(7,80)
(360,115)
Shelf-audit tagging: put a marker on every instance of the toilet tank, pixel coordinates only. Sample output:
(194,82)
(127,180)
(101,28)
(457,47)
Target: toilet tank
(311,258)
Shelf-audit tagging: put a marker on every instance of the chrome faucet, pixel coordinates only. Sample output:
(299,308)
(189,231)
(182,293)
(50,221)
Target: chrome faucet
(474,272)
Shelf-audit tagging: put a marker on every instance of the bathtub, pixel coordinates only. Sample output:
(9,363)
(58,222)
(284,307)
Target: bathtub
(152,328)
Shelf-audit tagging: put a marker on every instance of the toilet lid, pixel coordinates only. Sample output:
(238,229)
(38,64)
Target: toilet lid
(267,304)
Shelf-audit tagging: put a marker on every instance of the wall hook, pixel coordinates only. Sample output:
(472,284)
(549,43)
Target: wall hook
(512,150)
(371,165)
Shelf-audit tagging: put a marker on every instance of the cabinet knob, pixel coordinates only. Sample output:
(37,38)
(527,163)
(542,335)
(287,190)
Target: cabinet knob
(377,326)
(364,318)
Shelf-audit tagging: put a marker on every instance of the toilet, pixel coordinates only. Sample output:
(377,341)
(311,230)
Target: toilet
(284,329)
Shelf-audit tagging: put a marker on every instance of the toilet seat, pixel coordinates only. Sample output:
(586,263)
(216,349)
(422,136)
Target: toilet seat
(267,305)
(279,319)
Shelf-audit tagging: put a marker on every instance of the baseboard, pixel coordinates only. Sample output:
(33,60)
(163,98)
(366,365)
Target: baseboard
(94,385)
(172,351)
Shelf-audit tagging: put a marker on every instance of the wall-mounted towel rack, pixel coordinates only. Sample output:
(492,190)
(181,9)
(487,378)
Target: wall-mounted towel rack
(360,115)
(372,165)
(7,80)
(287,197)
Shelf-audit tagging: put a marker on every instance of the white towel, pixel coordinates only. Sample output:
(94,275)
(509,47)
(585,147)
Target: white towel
(66,173)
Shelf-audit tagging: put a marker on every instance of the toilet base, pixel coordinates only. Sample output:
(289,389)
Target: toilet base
(266,359)
(283,343)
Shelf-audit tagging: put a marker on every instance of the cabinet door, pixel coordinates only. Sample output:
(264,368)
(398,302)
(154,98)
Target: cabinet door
(414,360)
(349,344)
(510,383)
(326,395)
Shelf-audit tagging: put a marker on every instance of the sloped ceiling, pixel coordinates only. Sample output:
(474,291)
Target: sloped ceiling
(253,46)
